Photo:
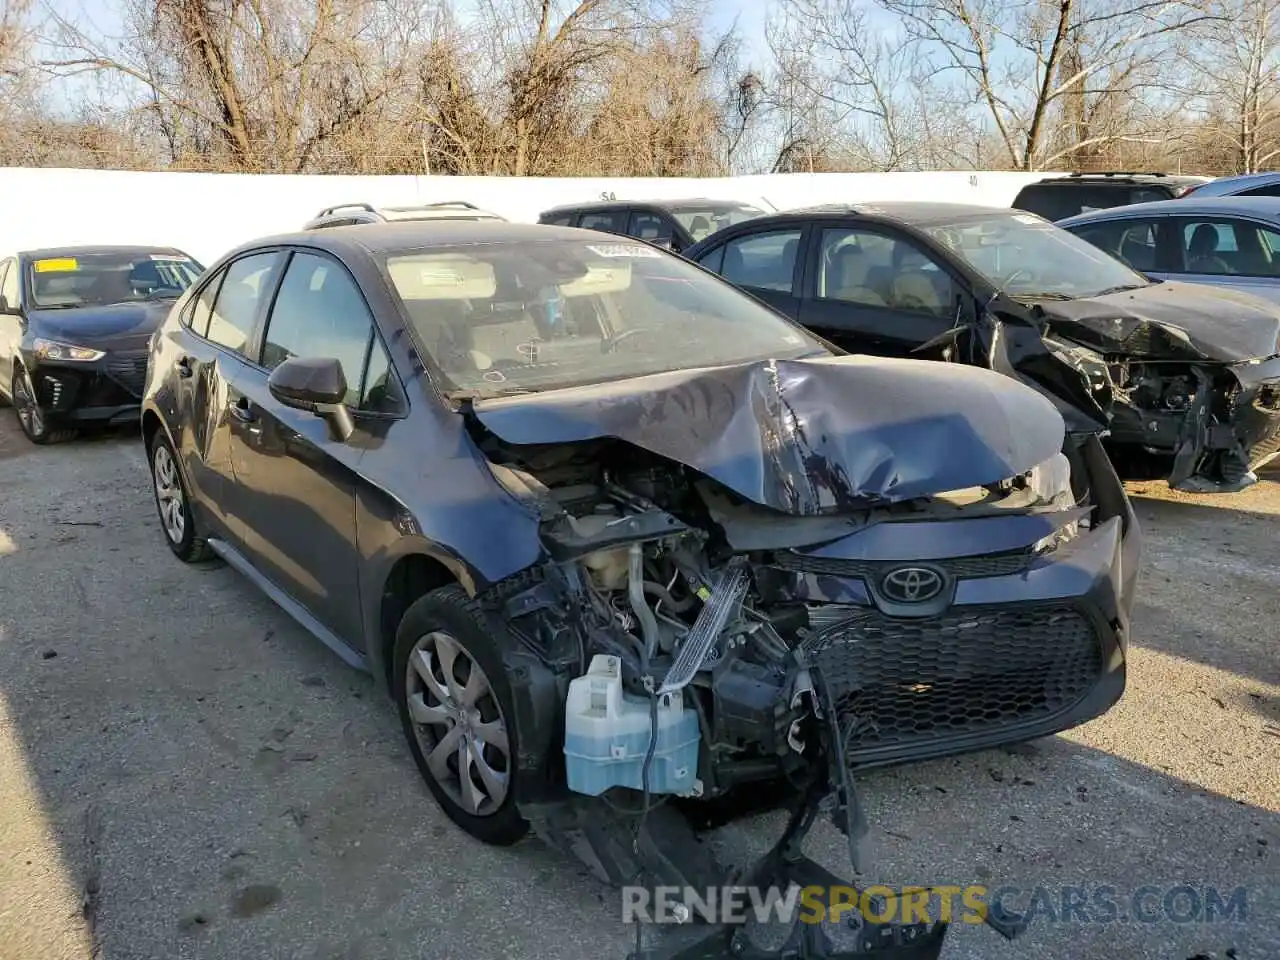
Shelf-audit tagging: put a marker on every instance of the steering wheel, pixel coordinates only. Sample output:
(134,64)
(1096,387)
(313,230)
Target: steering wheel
(611,344)
(1020,273)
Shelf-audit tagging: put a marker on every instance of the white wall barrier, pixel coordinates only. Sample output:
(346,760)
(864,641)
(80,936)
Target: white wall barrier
(206,214)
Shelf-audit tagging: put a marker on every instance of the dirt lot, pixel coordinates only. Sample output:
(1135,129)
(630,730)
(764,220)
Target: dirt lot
(187,774)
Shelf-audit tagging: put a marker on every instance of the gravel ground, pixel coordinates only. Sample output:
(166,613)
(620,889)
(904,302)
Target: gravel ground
(187,774)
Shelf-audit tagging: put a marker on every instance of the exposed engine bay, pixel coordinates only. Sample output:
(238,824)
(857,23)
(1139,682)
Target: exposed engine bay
(1196,395)
(688,656)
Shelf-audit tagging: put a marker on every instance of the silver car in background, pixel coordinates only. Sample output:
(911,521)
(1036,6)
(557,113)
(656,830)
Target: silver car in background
(1225,241)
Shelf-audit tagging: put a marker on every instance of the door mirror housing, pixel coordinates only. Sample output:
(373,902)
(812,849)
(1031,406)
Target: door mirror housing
(316,385)
(8,309)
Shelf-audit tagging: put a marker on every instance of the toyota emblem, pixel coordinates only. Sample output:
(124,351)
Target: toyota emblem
(911,584)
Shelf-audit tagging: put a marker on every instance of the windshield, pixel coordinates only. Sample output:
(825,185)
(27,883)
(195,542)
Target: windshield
(704,219)
(514,317)
(98,279)
(1026,257)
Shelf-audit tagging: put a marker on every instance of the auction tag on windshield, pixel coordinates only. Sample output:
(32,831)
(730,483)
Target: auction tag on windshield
(57,265)
(623,250)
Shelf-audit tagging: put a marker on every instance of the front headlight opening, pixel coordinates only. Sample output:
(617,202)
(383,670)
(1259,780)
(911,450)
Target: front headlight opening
(1050,481)
(56,350)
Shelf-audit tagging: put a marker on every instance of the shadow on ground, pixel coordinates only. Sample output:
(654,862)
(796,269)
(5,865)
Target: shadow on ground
(221,786)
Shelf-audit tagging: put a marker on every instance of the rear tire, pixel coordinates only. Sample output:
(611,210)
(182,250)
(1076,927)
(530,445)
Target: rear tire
(30,417)
(455,705)
(173,504)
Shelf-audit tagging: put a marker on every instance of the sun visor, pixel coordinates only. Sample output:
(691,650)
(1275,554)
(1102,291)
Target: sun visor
(442,278)
(611,279)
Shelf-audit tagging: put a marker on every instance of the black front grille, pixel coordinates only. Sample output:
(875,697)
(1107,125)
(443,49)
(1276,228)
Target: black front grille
(960,568)
(917,683)
(129,372)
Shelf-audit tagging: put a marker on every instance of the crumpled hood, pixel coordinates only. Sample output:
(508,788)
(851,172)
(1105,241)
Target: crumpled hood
(117,326)
(1172,320)
(808,436)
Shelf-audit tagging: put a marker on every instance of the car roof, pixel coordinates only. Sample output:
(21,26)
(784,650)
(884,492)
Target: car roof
(1120,176)
(84,251)
(393,236)
(919,212)
(1241,181)
(663,204)
(1266,207)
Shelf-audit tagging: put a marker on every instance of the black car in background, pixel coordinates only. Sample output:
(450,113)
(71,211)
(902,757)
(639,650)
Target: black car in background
(1010,291)
(672,224)
(74,327)
(480,459)
(1055,198)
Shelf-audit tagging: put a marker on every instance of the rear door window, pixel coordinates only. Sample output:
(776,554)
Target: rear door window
(652,227)
(244,289)
(766,261)
(609,221)
(1131,241)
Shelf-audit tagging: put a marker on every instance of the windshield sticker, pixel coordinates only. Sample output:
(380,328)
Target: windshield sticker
(57,265)
(623,250)
(1026,218)
(170,258)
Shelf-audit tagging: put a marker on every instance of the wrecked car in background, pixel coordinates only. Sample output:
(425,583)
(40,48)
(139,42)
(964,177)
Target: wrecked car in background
(1186,381)
(608,530)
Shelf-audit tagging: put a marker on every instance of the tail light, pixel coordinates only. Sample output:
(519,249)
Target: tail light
(1180,192)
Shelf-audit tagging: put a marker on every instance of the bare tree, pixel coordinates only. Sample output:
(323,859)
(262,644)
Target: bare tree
(1025,61)
(1234,83)
(256,85)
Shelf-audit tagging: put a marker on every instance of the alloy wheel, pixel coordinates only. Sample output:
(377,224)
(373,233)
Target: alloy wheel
(169,497)
(24,402)
(458,723)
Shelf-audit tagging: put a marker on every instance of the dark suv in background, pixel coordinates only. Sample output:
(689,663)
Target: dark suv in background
(1056,198)
(673,224)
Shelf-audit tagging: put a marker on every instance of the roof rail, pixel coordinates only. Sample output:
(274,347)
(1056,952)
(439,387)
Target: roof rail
(1119,173)
(443,204)
(343,206)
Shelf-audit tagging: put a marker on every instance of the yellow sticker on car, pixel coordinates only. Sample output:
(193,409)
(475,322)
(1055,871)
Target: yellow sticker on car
(57,265)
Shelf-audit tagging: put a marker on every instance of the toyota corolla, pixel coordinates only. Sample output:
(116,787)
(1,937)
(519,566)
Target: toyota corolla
(600,523)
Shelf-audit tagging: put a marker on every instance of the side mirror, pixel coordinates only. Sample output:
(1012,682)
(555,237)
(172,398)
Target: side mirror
(6,309)
(316,385)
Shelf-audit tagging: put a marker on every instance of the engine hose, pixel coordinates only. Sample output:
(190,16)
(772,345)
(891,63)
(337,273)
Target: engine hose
(635,588)
(663,594)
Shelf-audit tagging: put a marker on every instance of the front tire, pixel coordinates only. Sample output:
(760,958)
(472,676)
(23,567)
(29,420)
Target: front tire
(456,708)
(30,417)
(177,521)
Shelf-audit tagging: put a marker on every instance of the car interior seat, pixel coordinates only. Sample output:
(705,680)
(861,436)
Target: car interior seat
(699,227)
(1141,256)
(733,267)
(145,277)
(110,286)
(915,285)
(1202,251)
(847,276)
(787,267)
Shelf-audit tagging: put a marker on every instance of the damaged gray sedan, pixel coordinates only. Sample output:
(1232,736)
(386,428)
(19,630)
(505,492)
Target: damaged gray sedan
(609,531)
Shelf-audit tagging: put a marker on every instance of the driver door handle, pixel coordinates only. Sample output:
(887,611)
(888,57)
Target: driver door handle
(242,410)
